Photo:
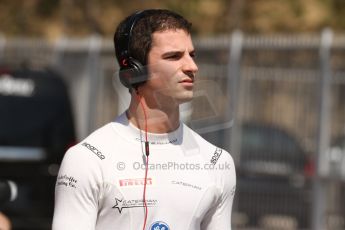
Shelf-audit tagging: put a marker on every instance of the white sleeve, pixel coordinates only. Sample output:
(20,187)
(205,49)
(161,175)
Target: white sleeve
(77,191)
(219,217)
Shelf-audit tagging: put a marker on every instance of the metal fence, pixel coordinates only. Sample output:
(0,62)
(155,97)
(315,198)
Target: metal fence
(290,87)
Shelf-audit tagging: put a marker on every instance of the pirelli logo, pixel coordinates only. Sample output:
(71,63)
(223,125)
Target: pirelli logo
(135,182)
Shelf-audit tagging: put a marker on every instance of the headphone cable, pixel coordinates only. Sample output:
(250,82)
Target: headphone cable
(147,153)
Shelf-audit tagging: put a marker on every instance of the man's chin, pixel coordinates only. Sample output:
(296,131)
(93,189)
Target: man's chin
(185,98)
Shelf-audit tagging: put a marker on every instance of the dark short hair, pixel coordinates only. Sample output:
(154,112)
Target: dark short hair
(150,21)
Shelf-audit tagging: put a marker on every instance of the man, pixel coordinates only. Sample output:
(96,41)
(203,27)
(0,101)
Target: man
(5,223)
(147,170)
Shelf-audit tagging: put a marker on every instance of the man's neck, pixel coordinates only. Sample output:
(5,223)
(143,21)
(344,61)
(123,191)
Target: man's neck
(159,120)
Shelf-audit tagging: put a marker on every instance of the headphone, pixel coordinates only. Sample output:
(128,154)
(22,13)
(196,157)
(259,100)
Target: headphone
(132,72)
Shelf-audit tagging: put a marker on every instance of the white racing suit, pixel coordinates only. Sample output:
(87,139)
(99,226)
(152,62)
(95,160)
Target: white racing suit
(190,183)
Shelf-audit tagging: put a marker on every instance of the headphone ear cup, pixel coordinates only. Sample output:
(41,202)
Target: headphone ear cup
(140,72)
(126,76)
(133,74)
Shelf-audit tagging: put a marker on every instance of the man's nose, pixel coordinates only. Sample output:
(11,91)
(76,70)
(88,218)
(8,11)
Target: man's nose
(190,65)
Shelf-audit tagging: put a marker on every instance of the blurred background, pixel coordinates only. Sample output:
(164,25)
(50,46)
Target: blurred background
(270,90)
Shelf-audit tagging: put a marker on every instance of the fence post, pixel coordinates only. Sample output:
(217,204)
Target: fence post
(59,52)
(233,85)
(320,184)
(93,73)
(2,46)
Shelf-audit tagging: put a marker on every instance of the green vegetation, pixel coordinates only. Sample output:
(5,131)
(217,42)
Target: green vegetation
(54,18)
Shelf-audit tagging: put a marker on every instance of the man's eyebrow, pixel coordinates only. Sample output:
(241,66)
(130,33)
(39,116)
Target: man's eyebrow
(176,52)
(171,53)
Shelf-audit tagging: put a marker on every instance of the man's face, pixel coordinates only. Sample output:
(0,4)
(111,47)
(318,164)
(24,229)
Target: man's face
(171,66)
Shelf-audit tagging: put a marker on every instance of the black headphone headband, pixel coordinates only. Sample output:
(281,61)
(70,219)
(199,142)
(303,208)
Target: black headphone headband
(126,37)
